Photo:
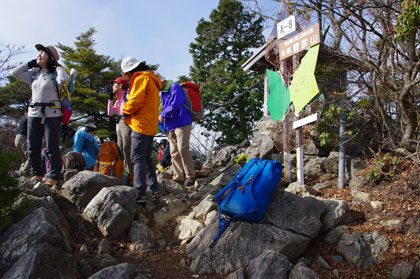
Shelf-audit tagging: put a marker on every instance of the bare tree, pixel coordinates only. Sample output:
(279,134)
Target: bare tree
(386,83)
(7,52)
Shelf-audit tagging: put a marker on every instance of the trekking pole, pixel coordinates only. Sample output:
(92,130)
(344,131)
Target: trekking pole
(242,157)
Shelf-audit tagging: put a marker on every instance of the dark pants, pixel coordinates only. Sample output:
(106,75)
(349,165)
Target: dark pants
(36,132)
(144,169)
(166,157)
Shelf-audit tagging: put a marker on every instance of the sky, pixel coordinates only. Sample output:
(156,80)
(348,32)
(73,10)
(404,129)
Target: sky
(158,32)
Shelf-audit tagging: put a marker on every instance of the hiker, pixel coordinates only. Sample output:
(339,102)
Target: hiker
(20,144)
(119,88)
(44,112)
(142,111)
(85,150)
(164,156)
(178,123)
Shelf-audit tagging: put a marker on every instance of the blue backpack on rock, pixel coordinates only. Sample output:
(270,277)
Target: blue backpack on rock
(249,195)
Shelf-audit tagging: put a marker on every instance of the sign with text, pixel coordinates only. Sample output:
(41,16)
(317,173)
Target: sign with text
(300,42)
(286,26)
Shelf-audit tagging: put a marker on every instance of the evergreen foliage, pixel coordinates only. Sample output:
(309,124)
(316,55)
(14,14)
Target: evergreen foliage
(94,71)
(221,47)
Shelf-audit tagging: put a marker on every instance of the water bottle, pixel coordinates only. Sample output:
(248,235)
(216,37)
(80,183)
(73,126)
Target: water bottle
(67,114)
(124,178)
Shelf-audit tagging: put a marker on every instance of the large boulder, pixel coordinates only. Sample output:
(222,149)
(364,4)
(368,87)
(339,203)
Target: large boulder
(297,214)
(82,187)
(337,213)
(263,145)
(112,209)
(269,265)
(38,246)
(239,244)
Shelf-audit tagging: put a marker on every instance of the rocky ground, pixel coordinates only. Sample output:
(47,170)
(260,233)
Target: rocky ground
(400,195)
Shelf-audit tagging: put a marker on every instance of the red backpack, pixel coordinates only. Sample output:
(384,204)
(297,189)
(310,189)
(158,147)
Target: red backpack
(192,95)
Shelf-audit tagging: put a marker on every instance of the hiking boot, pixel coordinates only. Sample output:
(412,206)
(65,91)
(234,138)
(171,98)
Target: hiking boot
(38,178)
(49,181)
(189,182)
(141,200)
(160,168)
(156,195)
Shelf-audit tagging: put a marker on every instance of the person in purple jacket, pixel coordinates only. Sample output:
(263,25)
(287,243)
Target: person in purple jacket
(178,123)
(119,88)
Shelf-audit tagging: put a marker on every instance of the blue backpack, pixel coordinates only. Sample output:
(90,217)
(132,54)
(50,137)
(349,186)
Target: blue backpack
(250,193)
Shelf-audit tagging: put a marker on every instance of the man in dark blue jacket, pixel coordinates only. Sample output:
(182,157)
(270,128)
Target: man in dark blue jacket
(178,123)
(85,150)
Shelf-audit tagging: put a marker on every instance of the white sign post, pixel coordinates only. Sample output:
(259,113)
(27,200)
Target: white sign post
(286,26)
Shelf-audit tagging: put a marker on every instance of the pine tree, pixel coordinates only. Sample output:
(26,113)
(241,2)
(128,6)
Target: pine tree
(94,71)
(222,45)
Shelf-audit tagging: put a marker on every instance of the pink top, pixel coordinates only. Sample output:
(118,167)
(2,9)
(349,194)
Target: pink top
(118,106)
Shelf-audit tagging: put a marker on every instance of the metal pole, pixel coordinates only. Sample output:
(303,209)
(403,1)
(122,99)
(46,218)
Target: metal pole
(299,158)
(342,151)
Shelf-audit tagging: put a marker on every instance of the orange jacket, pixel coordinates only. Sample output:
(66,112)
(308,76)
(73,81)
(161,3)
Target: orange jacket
(143,103)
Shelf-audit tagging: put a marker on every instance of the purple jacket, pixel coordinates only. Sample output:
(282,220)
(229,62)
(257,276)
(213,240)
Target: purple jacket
(174,112)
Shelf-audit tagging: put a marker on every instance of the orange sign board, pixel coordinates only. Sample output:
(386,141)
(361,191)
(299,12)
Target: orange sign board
(300,42)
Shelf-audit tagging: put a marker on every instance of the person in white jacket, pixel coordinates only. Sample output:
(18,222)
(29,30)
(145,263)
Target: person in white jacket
(45,76)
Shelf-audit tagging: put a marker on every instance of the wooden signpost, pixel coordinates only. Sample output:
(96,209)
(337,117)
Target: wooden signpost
(287,48)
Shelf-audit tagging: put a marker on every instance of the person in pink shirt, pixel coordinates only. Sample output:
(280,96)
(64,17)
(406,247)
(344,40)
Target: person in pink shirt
(119,89)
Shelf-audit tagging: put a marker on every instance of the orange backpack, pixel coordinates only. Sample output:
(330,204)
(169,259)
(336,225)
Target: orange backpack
(109,161)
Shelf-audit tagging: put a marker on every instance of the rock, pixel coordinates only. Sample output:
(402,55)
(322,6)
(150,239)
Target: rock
(84,250)
(331,163)
(337,213)
(269,265)
(314,167)
(187,228)
(355,250)
(391,224)
(360,197)
(238,274)
(378,245)
(205,206)
(40,190)
(301,271)
(104,260)
(69,173)
(104,247)
(211,217)
(321,185)
(38,246)
(262,140)
(172,207)
(112,209)
(322,263)
(300,190)
(82,187)
(377,204)
(239,244)
(297,214)
(402,270)
(310,149)
(335,234)
(171,187)
(142,235)
(120,271)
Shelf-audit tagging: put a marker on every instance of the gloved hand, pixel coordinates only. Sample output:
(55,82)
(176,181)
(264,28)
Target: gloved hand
(110,95)
(33,64)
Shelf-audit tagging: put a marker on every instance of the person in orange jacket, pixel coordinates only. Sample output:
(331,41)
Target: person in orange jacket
(142,113)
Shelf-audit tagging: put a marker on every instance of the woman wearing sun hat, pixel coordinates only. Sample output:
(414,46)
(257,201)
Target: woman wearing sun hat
(44,112)
(142,111)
